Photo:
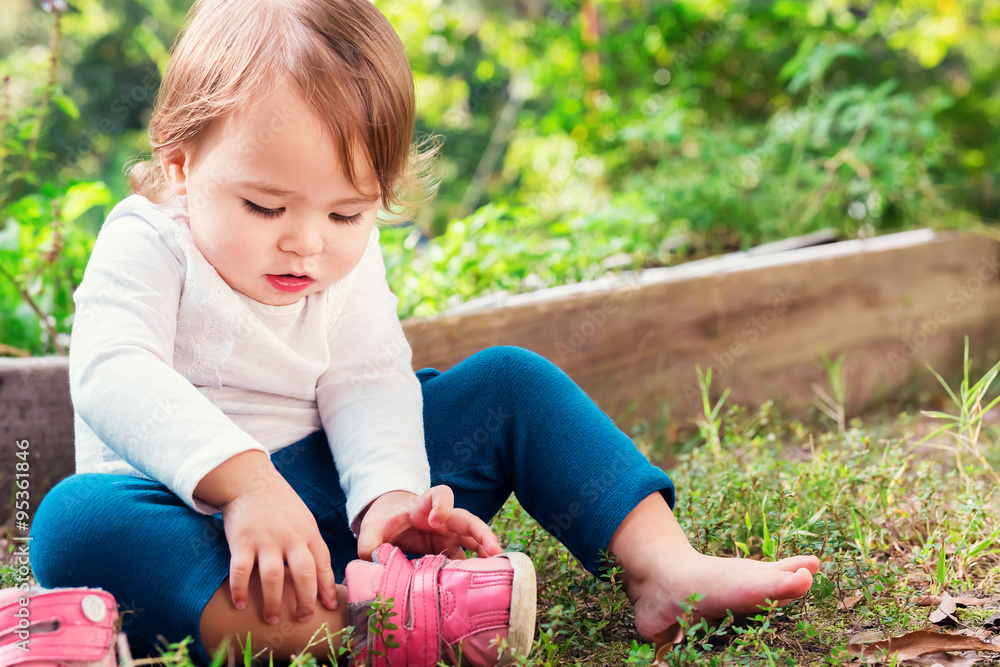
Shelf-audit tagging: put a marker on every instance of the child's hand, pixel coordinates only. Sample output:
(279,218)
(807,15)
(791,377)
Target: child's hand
(270,525)
(425,524)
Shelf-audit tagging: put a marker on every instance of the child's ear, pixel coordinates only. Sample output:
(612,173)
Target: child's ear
(175,168)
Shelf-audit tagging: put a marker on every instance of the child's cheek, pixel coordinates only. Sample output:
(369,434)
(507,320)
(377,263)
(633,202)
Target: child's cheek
(223,250)
(346,259)
(240,251)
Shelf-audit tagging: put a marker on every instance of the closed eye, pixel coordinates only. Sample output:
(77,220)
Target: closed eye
(261,211)
(275,212)
(347,219)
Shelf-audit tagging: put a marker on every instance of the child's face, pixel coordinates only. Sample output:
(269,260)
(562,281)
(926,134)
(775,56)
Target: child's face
(258,238)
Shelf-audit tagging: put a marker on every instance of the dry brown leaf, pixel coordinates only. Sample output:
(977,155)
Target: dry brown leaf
(962,660)
(921,642)
(867,637)
(972,602)
(666,639)
(848,602)
(945,610)
(935,600)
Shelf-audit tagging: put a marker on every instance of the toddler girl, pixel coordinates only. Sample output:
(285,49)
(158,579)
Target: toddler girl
(248,422)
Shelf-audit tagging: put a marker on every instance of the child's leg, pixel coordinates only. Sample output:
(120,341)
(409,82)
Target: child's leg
(288,637)
(506,419)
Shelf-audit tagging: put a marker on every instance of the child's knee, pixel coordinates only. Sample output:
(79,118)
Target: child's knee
(512,363)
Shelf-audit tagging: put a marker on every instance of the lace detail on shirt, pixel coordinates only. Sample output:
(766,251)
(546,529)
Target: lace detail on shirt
(336,297)
(210,312)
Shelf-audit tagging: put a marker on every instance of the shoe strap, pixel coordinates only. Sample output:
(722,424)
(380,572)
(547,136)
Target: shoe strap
(423,640)
(58,627)
(396,585)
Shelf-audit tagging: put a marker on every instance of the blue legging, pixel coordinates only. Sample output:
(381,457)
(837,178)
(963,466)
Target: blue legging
(505,419)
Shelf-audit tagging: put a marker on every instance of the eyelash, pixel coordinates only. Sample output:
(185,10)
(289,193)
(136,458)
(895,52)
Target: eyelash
(275,212)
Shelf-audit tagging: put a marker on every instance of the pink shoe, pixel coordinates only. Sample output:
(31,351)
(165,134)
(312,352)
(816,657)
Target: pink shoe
(60,627)
(452,607)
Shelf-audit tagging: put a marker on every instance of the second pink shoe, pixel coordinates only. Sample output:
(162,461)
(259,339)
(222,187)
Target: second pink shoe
(452,610)
(61,627)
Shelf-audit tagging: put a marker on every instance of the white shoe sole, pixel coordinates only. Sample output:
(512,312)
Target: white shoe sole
(523,605)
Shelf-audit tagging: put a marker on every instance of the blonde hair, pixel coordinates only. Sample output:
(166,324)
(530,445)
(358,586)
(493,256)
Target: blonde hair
(344,57)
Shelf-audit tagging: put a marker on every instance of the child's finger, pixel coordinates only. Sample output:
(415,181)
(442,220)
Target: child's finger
(271,566)
(302,567)
(375,530)
(369,539)
(240,567)
(418,512)
(471,543)
(432,509)
(455,553)
(443,503)
(465,523)
(325,581)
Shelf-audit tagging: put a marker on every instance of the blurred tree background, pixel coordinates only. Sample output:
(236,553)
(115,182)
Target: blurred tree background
(580,136)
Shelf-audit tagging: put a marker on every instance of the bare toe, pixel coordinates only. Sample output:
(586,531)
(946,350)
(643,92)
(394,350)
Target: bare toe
(795,563)
(795,585)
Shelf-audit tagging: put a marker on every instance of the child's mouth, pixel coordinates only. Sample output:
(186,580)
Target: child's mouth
(288,282)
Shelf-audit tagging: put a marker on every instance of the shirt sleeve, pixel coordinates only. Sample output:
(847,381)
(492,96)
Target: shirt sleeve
(370,400)
(122,380)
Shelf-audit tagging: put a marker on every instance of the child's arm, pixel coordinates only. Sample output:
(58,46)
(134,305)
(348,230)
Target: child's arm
(370,401)
(122,380)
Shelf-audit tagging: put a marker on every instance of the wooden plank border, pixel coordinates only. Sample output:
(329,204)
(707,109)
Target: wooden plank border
(761,321)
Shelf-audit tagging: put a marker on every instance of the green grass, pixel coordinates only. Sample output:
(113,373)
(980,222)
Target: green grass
(890,519)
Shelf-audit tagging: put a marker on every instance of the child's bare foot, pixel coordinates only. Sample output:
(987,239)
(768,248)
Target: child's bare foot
(661,570)
(735,584)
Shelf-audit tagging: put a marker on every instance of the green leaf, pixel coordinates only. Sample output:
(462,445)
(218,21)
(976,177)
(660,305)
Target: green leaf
(14,147)
(768,542)
(81,197)
(26,130)
(817,516)
(858,535)
(797,61)
(813,66)
(67,105)
(941,565)
(221,653)
(945,384)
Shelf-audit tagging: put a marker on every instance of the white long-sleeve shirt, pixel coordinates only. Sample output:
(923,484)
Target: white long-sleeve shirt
(172,371)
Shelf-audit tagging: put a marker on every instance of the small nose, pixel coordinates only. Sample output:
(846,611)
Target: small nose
(302,237)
